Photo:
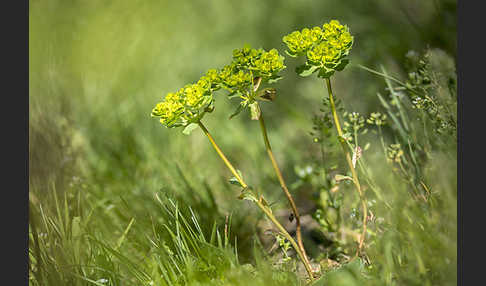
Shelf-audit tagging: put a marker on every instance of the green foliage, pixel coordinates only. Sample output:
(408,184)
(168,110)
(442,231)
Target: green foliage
(431,86)
(405,201)
(106,167)
(66,249)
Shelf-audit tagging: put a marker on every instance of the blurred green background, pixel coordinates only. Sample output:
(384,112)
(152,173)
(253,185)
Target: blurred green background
(97,68)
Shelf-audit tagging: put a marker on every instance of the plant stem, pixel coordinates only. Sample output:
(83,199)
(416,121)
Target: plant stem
(259,202)
(380,134)
(284,186)
(221,154)
(350,163)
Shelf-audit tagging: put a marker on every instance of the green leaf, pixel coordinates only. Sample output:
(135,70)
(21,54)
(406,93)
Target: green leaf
(325,73)
(265,203)
(76,226)
(233,94)
(234,181)
(274,79)
(239,173)
(342,64)
(340,177)
(255,111)
(247,194)
(210,107)
(237,111)
(124,235)
(189,128)
(306,70)
(291,54)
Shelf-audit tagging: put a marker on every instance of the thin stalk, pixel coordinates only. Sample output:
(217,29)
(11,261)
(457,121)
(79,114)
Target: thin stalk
(380,134)
(221,154)
(284,186)
(350,164)
(403,116)
(259,203)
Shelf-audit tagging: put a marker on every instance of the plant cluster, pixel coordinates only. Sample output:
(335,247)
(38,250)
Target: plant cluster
(248,68)
(325,48)
(242,78)
(424,86)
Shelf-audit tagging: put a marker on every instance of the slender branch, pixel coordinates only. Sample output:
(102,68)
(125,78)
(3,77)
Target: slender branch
(284,186)
(221,154)
(350,163)
(259,203)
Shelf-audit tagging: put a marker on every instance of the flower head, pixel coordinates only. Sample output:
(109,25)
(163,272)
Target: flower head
(300,42)
(249,68)
(189,104)
(233,78)
(326,49)
(169,110)
(268,64)
(248,64)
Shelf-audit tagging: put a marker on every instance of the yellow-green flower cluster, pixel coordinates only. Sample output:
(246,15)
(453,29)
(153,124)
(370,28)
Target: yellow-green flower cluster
(243,57)
(169,110)
(268,64)
(323,54)
(249,63)
(299,42)
(211,78)
(233,78)
(325,49)
(337,35)
(189,104)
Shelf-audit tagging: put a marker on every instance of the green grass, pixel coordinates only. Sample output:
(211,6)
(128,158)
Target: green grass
(116,199)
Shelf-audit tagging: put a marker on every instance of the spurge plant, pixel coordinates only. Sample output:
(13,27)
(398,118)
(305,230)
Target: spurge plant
(325,50)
